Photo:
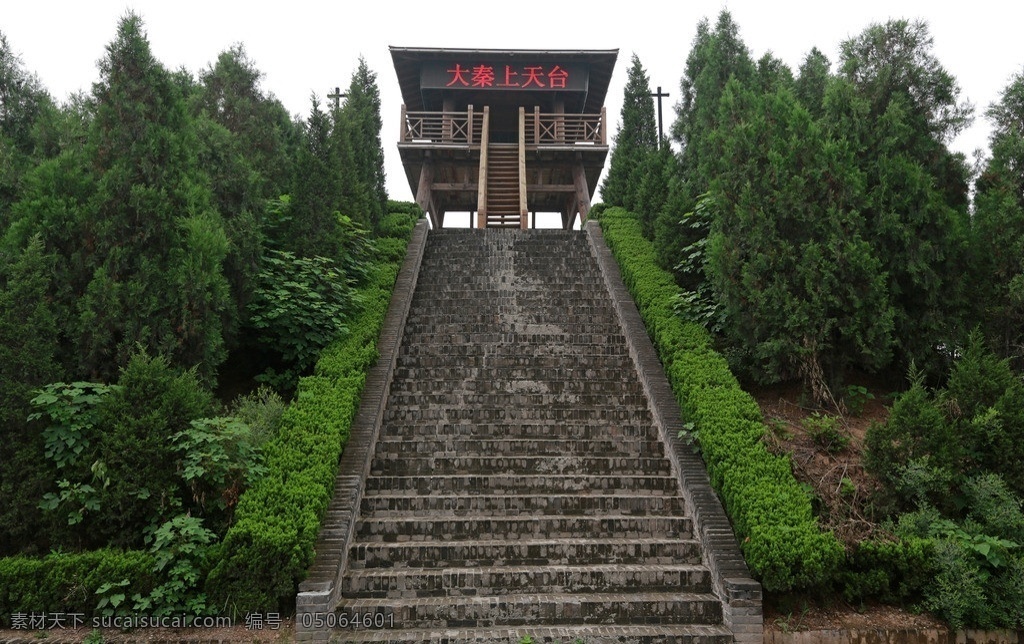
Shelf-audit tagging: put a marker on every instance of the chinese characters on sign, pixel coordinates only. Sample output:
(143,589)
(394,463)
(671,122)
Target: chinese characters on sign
(523,77)
(505,76)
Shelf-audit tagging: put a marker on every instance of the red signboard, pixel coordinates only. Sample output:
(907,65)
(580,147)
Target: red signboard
(539,76)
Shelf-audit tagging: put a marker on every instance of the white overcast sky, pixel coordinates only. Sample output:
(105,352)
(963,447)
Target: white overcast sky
(304,47)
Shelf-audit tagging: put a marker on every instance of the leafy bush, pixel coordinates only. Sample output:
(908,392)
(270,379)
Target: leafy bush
(68,583)
(826,432)
(267,552)
(299,306)
(771,513)
(889,571)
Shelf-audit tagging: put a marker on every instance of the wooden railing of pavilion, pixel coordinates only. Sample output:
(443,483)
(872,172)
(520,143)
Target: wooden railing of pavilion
(464,128)
(555,129)
(539,128)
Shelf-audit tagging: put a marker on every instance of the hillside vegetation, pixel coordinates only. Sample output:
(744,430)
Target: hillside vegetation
(813,227)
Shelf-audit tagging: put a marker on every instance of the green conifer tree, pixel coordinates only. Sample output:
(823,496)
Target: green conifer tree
(634,142)
(154,242)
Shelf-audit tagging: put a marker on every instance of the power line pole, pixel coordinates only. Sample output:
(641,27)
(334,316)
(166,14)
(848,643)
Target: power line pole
(661,129)
(337,96)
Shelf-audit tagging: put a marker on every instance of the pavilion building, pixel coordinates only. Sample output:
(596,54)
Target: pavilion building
(503,134)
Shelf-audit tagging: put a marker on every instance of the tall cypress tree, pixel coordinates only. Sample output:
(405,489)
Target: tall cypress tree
(716,56)
(361,132)
(999,226)
(801,287)
(634,142)
(898,109)
(154,242)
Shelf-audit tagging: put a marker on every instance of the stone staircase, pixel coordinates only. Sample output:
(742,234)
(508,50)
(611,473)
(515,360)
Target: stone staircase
(503,208)
(519,486)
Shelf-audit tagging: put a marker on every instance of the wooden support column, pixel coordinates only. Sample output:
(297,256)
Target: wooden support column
(523,212)
(481,194)
(579,177)
(425,194)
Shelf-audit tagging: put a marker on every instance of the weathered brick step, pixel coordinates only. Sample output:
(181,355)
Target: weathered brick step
(517,357)
(453,527)
(516,368)
(575,430)
(524,552)
(604,313)
(604,634)
(514,338)
(488,381)
(524,465)
(522,276)
(554,414)
(382,504)
(383,583)
(491,484)
(513,446)
(516,398)
(584,326)
(548,609)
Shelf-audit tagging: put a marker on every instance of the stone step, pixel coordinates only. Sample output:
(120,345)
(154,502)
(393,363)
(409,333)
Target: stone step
(484,380)
(494,484)
(513,398)
(518,339)
(384,464)
(382,504)
(441,527)
(547,357)
(548,609)
(583,431)
(512,446)
(390,583)
(564,634)
(492,415)
(523,552)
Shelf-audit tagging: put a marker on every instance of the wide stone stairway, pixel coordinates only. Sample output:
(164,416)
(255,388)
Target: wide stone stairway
(519,487)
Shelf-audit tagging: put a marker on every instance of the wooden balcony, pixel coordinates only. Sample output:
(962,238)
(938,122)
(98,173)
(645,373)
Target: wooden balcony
(466,128)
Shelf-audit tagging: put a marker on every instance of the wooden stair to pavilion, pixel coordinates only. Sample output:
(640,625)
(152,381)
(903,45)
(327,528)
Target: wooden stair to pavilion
(503,207)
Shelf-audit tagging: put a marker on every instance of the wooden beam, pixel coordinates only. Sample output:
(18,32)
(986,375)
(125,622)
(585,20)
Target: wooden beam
(481,195)
(466,186)
(424,196)
(582,191)
(523,213)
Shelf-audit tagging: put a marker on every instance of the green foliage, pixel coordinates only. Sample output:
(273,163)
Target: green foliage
(28,352)
(856,398)
(801,288)
(270,547)
(72,413)
(261,411)
(635,142)
(897,107)
(66,583)
(826,431)
(180,548)
(998,227)
(771,513)
(218,460)
(300,305)
(889,571)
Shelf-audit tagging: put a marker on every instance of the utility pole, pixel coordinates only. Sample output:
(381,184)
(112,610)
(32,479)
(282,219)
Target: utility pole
(337,96)
(661,129)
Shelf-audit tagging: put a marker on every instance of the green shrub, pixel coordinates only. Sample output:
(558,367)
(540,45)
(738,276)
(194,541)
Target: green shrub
(398,224)
(265,555)
(895,572)
(300,305)
(770,511)
(68,583)
(826,432)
